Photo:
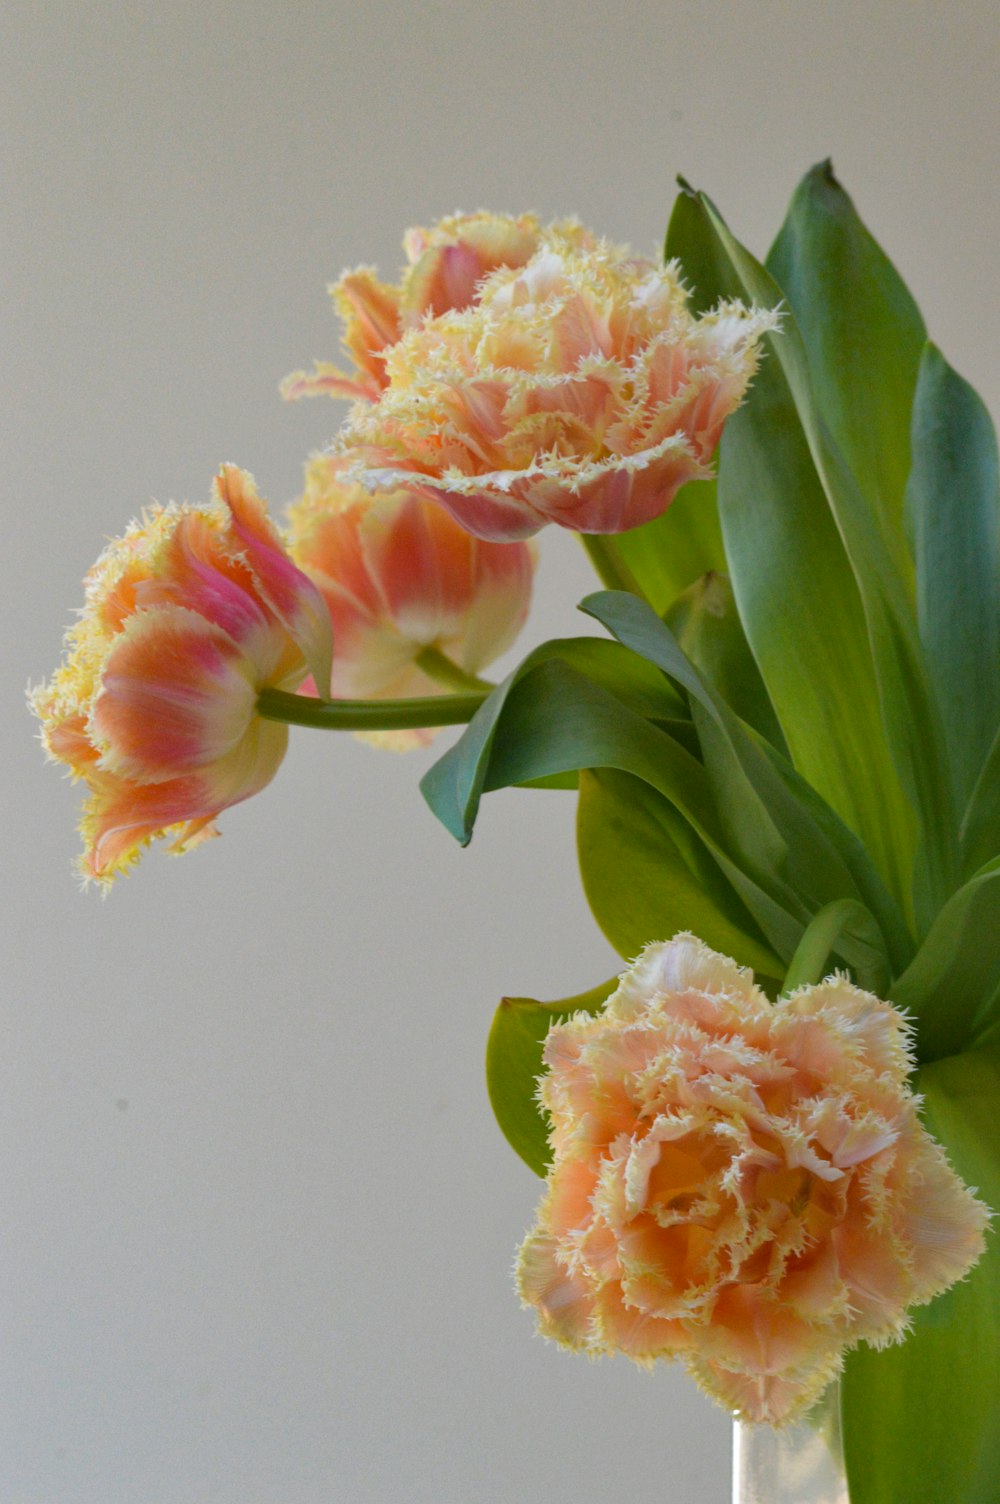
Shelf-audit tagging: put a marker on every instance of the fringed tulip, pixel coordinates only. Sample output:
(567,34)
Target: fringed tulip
(187,618)
(400,577)
(445,266)
(576,388)
(743,1185)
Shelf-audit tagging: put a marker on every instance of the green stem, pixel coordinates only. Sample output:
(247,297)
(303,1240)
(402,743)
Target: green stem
(612,570)
(369,715)
(812,953)
(436,665)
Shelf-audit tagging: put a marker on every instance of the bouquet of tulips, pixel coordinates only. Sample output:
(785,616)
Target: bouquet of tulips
(770,1144)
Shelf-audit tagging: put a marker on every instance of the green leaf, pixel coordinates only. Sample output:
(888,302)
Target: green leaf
(949,985)
(981,825)
(702,259)
(953,501)
(799,530)
(454,785)
(922,1420)
(553,781)
(673,550)
(552,719)
(824,936)
(707,626)
(769,829)
(863,334)
(514,1063)
(647,876)
(783,547)
(876,896)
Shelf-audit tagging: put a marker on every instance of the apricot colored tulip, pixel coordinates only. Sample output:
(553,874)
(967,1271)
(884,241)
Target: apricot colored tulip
(744,1185)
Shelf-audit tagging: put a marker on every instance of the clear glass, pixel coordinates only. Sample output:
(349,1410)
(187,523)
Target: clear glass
(800,1464)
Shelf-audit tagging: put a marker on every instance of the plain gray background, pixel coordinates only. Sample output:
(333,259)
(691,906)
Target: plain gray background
(258,1223)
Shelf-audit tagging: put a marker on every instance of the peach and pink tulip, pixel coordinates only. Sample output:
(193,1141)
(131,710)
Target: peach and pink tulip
(399,577)
(445,266)
(187,618)
(744,1185)
(576,388)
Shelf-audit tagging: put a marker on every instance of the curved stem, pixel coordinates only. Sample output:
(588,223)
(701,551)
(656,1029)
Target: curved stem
(437,665)
(611,568)
(369,715)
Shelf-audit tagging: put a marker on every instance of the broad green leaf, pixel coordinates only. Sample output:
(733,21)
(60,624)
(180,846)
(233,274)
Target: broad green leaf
(453,786)
(949,985)
(667,554)
(792,578)
(953,502)
(514,1063)
(981,824)
(922,1420)
(646,876)
(551,720)
(863,334)
(707,626)
(557,717)
(875,894)
(905,694)
(702,259)
(633,682)
(554,781)
(770,830)
(823,938)
(990,1037)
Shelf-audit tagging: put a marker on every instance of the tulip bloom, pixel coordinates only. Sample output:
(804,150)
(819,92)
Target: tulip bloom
(187,618)
(445,266)
(398,577)
(576,388)
(742,1185)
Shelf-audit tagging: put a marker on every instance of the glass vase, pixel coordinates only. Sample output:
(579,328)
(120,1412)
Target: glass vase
(799,1464)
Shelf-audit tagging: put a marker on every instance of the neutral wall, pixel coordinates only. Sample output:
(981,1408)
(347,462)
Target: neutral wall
(258,1223)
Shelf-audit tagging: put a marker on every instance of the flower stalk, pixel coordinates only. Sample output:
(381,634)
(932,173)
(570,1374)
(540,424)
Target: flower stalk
(370,715)
(438,666)
(612,570)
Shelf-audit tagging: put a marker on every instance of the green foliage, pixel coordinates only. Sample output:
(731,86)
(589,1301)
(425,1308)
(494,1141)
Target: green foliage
(863,334)
(553,719)
(953,502)
(822,597)
(671,552)
(454,785)
(922,1420)
(792,748)
(950,986)
(843,918)
(647,875)
(707,626)
(514,1063)
(770,830)
(980,831)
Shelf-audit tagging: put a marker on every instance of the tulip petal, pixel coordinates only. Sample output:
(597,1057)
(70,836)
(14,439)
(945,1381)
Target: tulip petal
(175,696)
(289,593)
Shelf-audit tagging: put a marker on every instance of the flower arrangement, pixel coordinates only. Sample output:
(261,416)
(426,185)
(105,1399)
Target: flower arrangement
(769,1145)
